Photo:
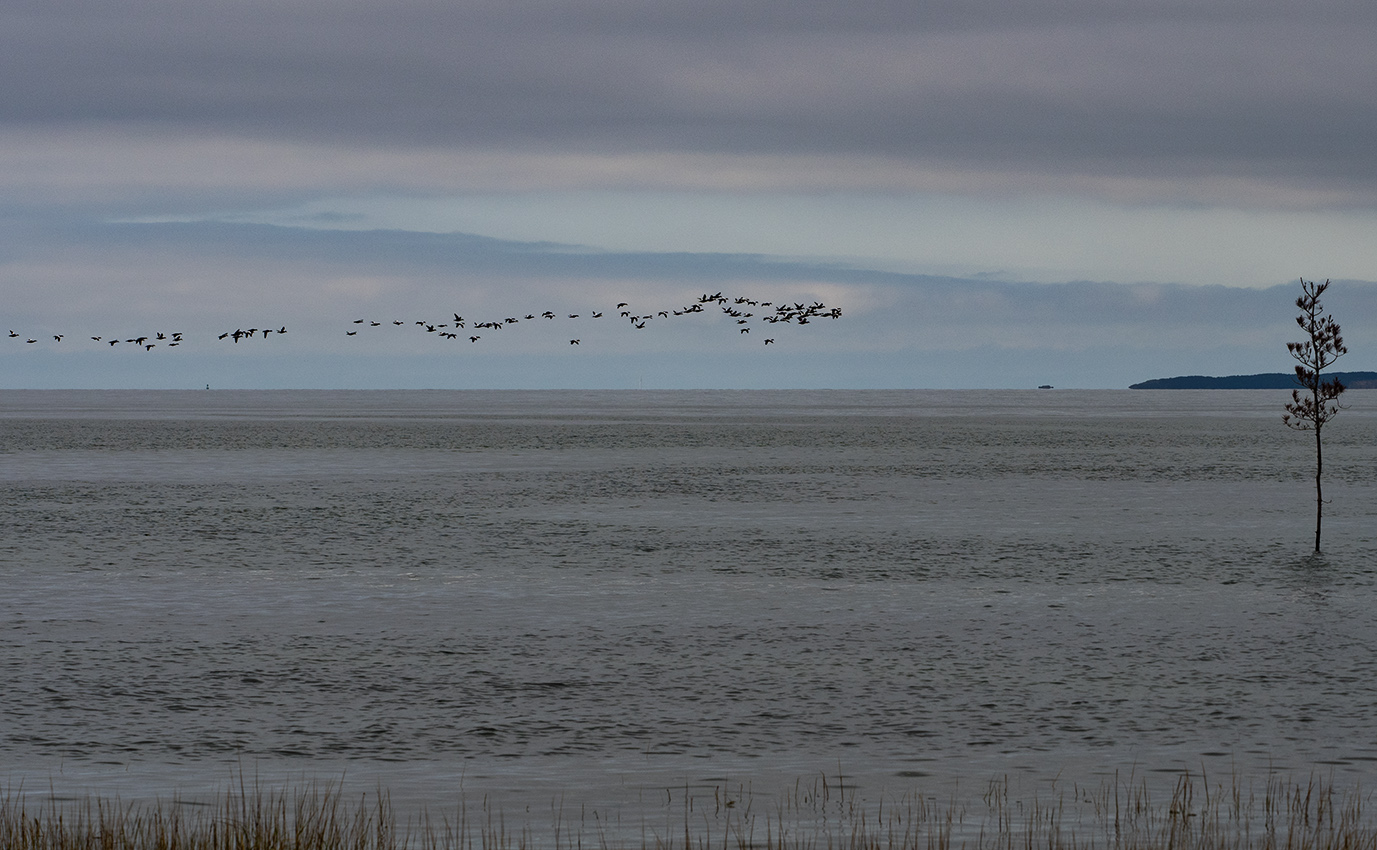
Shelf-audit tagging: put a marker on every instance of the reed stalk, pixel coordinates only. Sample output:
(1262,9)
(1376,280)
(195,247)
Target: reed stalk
(822,814)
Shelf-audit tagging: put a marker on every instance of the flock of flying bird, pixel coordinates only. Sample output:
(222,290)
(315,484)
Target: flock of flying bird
(146,342)
(149,342)
(740,310)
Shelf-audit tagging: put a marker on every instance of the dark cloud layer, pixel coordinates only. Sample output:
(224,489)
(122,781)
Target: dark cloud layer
(86,278)
(915,310)
(1271,91)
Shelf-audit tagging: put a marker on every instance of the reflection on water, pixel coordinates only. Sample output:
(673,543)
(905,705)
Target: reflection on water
(596,594)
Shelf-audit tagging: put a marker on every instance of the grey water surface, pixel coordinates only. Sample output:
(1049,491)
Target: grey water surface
(595,595)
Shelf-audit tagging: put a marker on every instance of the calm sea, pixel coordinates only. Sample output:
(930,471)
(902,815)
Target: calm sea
(597,595)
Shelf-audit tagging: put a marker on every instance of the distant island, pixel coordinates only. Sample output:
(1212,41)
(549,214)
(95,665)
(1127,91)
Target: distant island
(1266,381)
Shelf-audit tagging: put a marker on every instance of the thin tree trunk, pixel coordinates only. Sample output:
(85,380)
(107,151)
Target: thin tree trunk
(1319,492)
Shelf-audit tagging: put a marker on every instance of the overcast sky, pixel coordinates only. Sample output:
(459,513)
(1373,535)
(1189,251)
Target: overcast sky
(994,194)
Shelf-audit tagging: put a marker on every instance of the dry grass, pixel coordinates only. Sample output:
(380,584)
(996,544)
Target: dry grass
(821,814)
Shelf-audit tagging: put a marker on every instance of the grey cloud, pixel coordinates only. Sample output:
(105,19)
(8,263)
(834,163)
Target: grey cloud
(1265,90)
(897,329)
(946,309)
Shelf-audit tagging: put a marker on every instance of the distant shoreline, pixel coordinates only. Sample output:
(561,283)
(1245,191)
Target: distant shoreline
(1264,381)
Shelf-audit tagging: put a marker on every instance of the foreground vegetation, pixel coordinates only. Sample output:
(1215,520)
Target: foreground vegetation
(820,815)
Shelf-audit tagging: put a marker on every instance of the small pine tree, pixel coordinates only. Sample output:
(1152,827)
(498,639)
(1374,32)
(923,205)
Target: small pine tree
(1317,402)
